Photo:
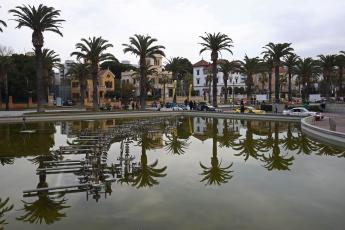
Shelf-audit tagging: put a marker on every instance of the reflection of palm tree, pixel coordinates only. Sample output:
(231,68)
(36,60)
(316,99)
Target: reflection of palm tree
(6,161)
(328,150)
(3,209)
(175,145)
(290,142)
(215,174)
(229,137)
(277,161)
(145,175)
(46,208)
(248,146)
(306,145)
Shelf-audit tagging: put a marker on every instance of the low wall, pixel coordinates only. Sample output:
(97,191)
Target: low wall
(335,108)
(331,137)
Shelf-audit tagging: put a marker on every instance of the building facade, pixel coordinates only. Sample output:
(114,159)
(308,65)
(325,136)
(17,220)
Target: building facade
(201,85)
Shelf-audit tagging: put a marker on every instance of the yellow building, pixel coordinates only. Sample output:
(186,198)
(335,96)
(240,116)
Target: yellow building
(106,83)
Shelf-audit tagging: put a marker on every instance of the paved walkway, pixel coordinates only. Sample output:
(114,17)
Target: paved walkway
(19,113)
(339,121)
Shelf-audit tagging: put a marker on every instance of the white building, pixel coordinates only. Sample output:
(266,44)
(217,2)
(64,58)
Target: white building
(200,71)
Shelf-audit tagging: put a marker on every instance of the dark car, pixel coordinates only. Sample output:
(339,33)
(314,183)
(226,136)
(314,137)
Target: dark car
(106,107)
(203,106)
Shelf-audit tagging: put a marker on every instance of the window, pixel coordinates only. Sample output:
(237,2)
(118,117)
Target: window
(108,84)
(75,84)
(197,72)
(198,81)
(101,94)
(75,95)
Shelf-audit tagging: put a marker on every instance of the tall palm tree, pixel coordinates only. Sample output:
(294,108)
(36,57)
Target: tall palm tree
(249,67)
(178,67)
(327,64)
(263,80)
(227,68)
(40,19)
(6,65)
(209,79)
(93,52)
(306,69)
(290,62)
(216,174)
(277,52)
(142,46)
(215,43)
(50,60)
(80,71)
(267,66)
(2,23)
(340,61)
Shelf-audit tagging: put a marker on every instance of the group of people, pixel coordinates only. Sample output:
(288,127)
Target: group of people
(192,104)
(135,106)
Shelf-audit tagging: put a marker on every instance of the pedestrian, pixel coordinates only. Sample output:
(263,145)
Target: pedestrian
(186,102)
(136,106)
(133,105)
(242,106)
(191,105)
(194,105)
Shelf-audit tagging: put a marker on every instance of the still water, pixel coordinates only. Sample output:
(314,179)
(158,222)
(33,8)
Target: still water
(176,173)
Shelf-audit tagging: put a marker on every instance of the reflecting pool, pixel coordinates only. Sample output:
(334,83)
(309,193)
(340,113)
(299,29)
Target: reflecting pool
(168,173)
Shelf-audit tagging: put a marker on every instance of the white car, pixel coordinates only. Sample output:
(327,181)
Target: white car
(302,112)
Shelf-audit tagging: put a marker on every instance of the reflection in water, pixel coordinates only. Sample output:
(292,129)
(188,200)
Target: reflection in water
(276,160)
(4,207)
(146,174)
(89,153)
(215,174)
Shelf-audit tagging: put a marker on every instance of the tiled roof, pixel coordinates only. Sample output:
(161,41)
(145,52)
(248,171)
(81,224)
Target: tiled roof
(201,63)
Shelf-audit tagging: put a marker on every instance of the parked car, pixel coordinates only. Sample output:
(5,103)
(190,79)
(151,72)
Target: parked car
(68,103)
(250,109)
(302,112)
(203,106)
(106,107)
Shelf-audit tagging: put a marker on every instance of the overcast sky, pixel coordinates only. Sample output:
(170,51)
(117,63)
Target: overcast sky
(312,26)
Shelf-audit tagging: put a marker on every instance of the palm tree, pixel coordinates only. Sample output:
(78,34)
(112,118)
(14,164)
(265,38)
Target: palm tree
(327,64)
(340,61)
(178,67)
(209,84)
(227,68)
(290,142)
(276,52)
(6,65)
(215,43)
(306,69)
(249,67)
(145,175)
(263,80)
(2,23)
(80,71)
(290,62)
(267,66)
(150,71)
(40,19)
(92,52)
(215,175)
(175,145)
(50,60)
(142,46)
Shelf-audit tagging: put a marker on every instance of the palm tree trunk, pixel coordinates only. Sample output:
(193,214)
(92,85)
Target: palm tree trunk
(164,93)
(249,87)
(270,86)
(1,92)
(290,95)
(340,81)
(226,89)
(329,85)
(39,79)
(176,86)
(142,83)
(214,139)
(6,91)
(95,87)
(209,91)
(82,92)
(277,83)
(214,87)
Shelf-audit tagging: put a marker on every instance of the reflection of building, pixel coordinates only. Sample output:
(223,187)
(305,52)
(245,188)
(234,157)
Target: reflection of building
(157,138)
(200,71)
(202,127)
(133,78)
(106,84)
